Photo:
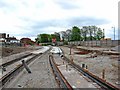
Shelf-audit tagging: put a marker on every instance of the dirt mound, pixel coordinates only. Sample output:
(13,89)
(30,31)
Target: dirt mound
(7,51)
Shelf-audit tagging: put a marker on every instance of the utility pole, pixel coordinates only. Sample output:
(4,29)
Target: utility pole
(114,32)
(103,33)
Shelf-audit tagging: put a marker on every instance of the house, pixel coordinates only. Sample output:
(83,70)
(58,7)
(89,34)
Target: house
(26,41)
(12,40)
(8,40)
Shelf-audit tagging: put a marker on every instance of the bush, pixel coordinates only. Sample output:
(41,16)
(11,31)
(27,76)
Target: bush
(46,44)
(65,42)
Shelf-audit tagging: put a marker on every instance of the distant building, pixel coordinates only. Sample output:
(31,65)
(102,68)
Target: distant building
(8,40)
(12,40)
(2,35)
(26,41)
(2,38)
(105,38)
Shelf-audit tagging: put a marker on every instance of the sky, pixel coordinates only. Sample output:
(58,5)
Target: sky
(28,18)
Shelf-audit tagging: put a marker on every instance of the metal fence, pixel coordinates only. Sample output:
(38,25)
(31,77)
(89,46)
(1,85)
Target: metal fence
(100,43)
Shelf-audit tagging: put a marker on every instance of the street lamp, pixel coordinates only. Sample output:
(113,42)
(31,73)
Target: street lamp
(114,32)
(103,33)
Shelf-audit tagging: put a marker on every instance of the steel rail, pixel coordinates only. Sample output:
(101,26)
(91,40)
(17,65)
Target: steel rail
(63,83)
(7,78)
(15,60)
(103,83)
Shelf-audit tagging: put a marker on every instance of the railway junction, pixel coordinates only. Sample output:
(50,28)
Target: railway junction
(55,67)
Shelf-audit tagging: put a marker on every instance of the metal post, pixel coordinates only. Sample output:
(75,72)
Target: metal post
(71,58)
(103,33)
(114,32)
(70,46)
(26,67)
(83,65)
(66,67)
(103,74)
(86,67)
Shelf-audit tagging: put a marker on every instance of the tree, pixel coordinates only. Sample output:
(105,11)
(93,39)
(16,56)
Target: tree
(75,33)
(37,40)
(95,32)
(91,33)
(56,35)
(99,34)
(43,38)
(84,32)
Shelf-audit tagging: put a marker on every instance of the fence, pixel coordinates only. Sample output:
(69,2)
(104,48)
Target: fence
(100,43)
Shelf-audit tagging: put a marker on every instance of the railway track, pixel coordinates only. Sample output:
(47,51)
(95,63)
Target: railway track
(104,84)
(15,60)
(63,83)
(9,66)
(9,76)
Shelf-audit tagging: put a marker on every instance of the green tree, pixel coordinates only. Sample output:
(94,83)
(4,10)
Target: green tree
(84,32)
(99,34)
(95,32)
(37,40)
(75,33)
(91,33)
(42,38)
(57,36)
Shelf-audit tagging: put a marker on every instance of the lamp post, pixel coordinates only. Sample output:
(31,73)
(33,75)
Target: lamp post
(103,33)
(114,32)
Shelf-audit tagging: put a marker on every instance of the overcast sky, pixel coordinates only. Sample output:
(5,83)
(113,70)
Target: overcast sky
(28,18)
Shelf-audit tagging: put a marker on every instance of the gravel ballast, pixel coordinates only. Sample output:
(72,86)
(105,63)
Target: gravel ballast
(41,76)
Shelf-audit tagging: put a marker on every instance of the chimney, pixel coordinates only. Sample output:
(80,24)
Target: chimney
(7,35)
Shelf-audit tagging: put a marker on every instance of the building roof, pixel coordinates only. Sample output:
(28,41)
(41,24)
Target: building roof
(11,38)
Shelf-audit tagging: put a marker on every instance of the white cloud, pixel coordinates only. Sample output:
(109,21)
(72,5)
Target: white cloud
(17,16)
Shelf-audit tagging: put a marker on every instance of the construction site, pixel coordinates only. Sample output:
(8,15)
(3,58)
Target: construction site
(66,66)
